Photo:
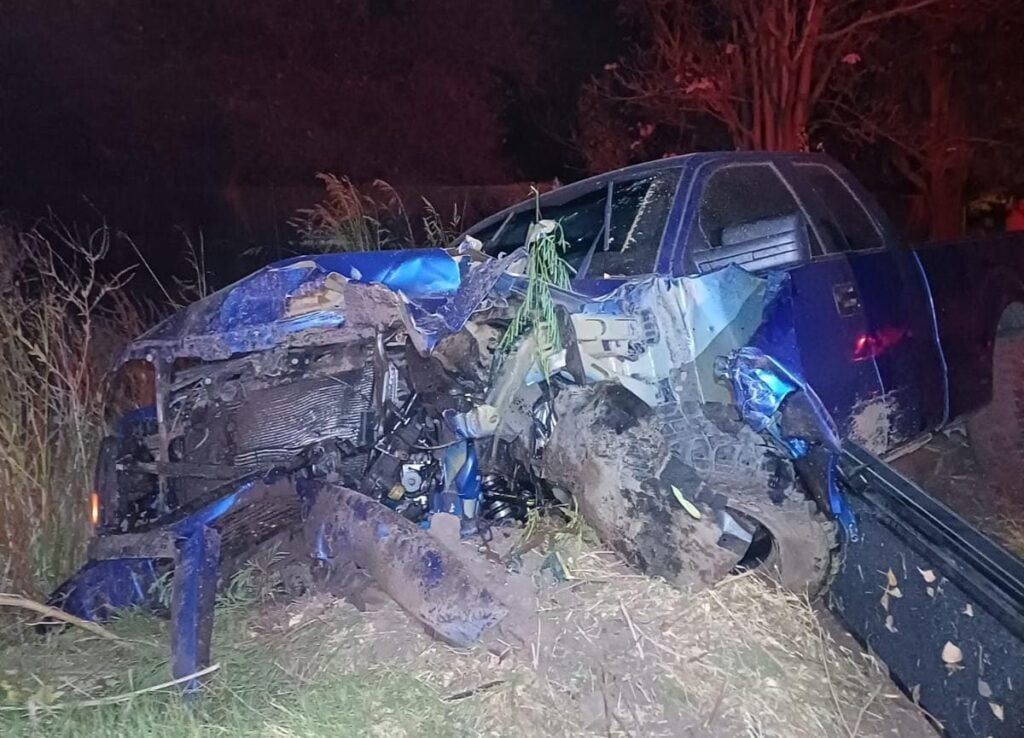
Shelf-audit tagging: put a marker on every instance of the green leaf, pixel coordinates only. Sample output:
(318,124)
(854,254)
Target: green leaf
(692,510)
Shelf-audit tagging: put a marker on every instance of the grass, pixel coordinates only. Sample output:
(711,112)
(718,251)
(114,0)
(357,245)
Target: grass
(61,320)
(271,680)
(608,653)
(250,695)
(371,218)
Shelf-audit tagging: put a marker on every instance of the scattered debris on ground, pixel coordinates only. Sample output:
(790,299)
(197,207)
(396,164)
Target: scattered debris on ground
(946,466)
(611,653)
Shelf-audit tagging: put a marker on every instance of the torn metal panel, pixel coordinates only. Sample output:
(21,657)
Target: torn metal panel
(775,402)
(761,385)
(639,333)
(124,567)
(407,562)
(196,569)
(620,348)
(725,308)
(430,320)
(421,273)
(217,509)
(271,307)
(103,587)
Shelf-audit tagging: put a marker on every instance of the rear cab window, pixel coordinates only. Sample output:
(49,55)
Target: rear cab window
(847,223)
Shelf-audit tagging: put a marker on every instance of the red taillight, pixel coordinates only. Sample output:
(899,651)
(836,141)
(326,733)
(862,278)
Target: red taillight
(869,345)
(94,509)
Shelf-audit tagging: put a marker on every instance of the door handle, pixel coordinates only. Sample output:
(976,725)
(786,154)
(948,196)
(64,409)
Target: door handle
(846,298)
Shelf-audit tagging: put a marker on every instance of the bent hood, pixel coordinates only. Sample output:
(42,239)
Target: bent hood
(292,297)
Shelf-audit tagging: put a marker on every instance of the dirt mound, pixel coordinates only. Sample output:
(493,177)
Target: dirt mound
(616,653)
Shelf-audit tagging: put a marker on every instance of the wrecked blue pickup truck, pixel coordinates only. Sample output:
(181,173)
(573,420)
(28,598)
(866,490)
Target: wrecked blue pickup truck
(730,319)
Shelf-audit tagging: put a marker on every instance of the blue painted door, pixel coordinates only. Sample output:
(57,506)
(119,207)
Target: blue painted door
(900,333)
(815,321)
(830,325)
(902,341)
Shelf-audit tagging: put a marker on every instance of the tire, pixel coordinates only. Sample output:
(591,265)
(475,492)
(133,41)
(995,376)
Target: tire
(802,540)
(997,430)
(622,478)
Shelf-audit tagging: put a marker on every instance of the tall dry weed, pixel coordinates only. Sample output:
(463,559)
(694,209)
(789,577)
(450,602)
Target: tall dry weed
(373,218)
(62,319)
(349,219)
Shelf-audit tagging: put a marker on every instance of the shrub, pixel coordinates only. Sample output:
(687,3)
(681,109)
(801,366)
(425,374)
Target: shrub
(62,318)
(350,218)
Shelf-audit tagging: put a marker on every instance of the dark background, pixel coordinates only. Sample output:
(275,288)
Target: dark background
(164,113)
(214,117)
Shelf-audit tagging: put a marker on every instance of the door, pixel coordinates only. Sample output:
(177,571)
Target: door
(900,337)
(816,318)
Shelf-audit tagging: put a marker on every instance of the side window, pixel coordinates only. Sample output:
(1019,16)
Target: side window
(581,218)
(640,208)
(849,224)
(739,198)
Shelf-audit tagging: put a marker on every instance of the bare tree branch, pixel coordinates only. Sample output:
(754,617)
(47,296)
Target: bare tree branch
(872,18)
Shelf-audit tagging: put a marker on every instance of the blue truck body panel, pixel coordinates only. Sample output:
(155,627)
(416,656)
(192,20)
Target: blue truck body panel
(915,306)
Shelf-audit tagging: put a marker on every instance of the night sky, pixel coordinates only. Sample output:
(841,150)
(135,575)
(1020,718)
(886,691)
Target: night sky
(152,95)
(154,115)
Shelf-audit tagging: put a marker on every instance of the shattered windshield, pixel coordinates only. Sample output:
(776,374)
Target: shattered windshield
(640,209)
(582,220)
(628,246)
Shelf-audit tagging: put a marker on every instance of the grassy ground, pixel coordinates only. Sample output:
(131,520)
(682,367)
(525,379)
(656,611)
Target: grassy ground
(614,654)
(947,468)
(251,696)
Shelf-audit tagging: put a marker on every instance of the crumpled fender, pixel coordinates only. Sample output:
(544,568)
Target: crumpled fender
(253,313)
(765,393)
(761,385)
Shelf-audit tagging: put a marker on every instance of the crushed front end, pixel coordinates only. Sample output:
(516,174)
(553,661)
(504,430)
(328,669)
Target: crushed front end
(395,375)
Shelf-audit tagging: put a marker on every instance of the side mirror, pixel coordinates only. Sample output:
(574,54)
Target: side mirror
(771,243)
